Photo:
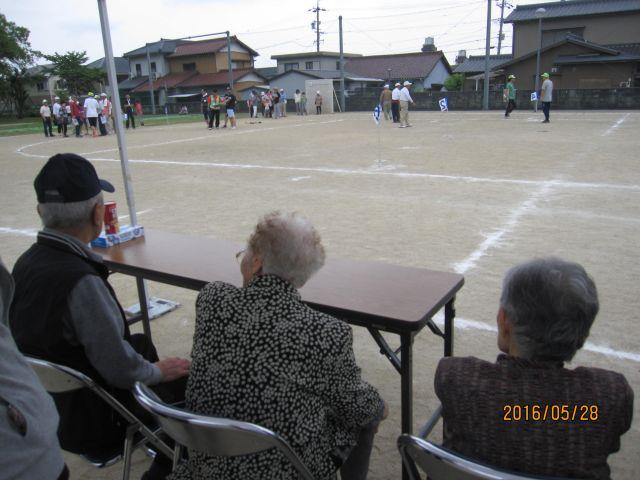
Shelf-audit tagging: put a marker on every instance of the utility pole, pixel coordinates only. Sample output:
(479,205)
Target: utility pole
(229,63)
(502,4)
(342,95)
(487,50)
(153,100)
(316,25)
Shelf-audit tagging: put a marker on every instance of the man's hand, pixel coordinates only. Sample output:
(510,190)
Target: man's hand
(173,368)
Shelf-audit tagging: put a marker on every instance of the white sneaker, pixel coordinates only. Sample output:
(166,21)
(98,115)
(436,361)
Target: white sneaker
(233,128)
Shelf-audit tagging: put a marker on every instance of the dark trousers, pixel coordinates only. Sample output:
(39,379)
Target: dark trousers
(130,117)
(78,125)
(102,126)
(318,109)
(46,123)
(59,123)
(395,111)
(354,463)
(62,126)
(214,115)
(511,106)
(546,106)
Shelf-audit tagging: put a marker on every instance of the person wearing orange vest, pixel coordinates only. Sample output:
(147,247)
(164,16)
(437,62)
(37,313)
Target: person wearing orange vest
(215,102)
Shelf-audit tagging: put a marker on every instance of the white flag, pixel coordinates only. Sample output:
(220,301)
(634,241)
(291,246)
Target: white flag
(376,114)
(444,106)
(534,96)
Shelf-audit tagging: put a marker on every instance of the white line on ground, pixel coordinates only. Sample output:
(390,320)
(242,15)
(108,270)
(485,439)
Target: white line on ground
(141,212)
(466,324)
(297,179)
(495,237)
(613,127)
(211,136)
(240,166)
(28,232)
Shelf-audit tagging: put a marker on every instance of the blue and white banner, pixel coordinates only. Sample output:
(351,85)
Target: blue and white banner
(444,105)
(534,96)
(376,114)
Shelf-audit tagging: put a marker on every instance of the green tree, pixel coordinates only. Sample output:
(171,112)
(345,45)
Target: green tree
(454,82)
(15,49)
(16,55)
(77,78)
(16,93)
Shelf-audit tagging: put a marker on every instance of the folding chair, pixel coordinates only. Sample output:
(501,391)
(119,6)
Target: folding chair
(58,379)
(439,463)
(214,436)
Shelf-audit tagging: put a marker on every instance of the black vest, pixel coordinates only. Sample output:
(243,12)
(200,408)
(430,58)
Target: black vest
(45,276)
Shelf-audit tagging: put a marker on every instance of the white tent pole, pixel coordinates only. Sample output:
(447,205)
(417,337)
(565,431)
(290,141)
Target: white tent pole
(116,105)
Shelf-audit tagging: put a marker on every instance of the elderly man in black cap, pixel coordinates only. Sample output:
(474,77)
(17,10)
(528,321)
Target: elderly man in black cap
(65,311)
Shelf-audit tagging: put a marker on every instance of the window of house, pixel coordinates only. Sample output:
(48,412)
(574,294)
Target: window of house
(138,70)
(291,66)
(308,66)
(188,67)
(153,67)
(338,65)
(40,86)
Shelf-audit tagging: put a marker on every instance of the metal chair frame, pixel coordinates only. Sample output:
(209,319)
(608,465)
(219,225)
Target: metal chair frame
(59,379)
(212,435)
(440,463)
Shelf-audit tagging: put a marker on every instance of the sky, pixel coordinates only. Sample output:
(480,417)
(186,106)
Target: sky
(370,27)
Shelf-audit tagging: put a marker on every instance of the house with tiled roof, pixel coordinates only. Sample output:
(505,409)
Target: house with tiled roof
(598,21)
(178,67)
(424,69)
(583,43)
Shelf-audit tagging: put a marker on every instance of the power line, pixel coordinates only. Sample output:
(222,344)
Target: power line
(418,12)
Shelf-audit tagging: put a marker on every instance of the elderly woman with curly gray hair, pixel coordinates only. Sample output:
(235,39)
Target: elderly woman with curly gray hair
(261,355)
(528,412)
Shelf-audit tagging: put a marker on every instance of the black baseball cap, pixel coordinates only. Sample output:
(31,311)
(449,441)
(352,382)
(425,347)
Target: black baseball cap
(67,177)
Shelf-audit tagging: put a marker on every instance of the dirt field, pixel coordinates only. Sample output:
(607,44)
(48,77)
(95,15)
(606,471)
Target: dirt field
(470,192)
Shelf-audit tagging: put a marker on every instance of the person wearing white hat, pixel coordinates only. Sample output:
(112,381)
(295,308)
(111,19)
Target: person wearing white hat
(91,108)
(405,99)
(55,111)
(45,113)
(385,101)
(318,103)
(395,103)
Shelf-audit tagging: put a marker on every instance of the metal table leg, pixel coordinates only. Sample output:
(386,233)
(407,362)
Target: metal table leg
(449,314)
(144,306)
(406,387)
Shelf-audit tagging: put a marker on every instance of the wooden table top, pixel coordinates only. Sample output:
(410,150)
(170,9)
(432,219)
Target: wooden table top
(371,294)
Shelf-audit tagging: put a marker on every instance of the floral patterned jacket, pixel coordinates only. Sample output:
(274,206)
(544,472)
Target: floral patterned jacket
(261,355)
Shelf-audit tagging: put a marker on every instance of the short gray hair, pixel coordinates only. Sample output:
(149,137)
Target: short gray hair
(552,304)
(68,215)
(289,245)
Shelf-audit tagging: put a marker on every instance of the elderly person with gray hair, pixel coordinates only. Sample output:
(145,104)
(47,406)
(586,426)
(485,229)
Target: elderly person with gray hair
(527,412)
(261,355)
(65,311)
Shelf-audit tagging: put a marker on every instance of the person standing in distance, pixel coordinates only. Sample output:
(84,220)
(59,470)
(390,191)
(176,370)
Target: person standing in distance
(45,113)
(510,95)
(405,99)
(395,103)
(55,110)
(546,94)
(318,103)
(385,102)
(91,108)
(128,109)
(230,102)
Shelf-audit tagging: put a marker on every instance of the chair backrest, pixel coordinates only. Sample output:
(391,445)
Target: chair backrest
(212,435)
(58,378)
(441,464)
